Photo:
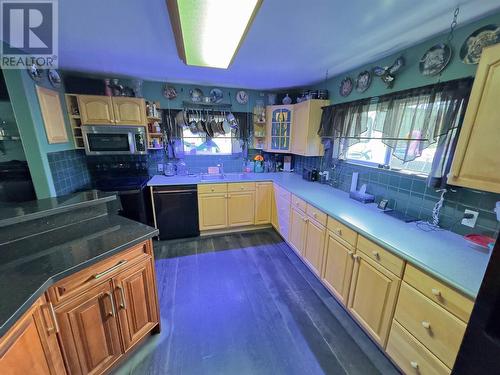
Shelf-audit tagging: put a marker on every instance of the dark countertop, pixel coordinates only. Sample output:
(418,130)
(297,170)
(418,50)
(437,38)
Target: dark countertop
(30,265)
(20,212)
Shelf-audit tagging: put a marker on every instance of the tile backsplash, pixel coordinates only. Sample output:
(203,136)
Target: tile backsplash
(69,171)
(410,194)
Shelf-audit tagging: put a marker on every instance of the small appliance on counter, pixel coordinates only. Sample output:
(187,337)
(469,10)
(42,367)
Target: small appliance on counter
(287,163)
(310,174)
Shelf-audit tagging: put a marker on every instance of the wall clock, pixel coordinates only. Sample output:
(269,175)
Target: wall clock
(242,97)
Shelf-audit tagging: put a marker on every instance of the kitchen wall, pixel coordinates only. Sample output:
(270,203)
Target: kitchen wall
(10,150)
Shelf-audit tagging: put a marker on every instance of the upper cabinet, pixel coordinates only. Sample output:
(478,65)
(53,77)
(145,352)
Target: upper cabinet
(293,129)
(279,124)
(307,118)
(53,120)
(107,110)
(476,162)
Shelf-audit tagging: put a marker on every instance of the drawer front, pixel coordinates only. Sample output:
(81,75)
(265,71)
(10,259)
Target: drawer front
(212,188)
(316,214)
(439,331)
(241,186)
(383,257)
(79,282)
(282,193)
(411,356)
(342,231)
(299,203)
(439,292)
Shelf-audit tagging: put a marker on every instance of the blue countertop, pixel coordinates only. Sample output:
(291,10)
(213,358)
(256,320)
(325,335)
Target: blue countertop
(446,255)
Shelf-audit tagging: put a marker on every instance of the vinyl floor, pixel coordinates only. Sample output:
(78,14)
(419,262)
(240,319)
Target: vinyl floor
(244,303)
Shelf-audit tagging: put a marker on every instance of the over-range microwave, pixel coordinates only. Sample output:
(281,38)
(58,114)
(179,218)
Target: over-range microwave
(114,140)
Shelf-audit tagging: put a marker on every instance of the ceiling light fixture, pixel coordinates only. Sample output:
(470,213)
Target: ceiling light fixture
(209,32)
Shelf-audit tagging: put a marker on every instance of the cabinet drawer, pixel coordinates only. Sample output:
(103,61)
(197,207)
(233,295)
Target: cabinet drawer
(411,356)
(316,214)
(97,273)
(298,203)
(342,231)
(439,292)
(439,331)
(282,193)
(241,186)
(381,256)
(212,188)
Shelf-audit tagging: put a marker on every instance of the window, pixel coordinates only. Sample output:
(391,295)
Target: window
(202,144)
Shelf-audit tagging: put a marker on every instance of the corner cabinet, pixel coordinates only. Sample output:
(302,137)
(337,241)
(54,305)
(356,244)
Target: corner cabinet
(306,122)
(476,162)
(279,128)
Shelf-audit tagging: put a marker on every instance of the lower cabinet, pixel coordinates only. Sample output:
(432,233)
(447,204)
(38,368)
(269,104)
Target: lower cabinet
(314,245)
(372,296)
(241,208)
(283,215)
(339,263)
(297,234)
(30,346)
(90,335)
(263,202)
(212,211)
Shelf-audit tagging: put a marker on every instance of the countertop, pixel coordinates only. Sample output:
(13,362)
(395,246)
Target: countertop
(446,255)
(15,213)
(30,265)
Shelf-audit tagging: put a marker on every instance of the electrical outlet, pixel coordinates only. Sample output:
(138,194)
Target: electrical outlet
(160,167)
(472,221)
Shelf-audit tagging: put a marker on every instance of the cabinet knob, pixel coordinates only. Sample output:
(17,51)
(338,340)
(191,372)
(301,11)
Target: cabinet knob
(355,257)
(350,253)
(315,215)
(426,324)
(376,254)
(414,364)
(297,204)
(436,292)
(213,189)
(242,188)
(229,196)
(338,231)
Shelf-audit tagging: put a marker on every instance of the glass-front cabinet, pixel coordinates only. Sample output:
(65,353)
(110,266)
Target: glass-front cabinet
(279,124)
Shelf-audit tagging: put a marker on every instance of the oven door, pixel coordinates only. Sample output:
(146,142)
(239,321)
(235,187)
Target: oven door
(109,140)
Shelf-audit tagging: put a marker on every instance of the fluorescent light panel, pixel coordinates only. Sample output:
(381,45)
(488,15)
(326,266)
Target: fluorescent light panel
(212,30)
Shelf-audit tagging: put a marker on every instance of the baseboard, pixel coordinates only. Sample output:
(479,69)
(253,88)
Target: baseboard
(246,228)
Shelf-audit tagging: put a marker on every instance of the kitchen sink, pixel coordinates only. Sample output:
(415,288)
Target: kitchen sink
(226,176)
(212,177)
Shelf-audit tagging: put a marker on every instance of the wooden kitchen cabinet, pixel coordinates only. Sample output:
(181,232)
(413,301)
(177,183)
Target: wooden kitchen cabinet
(263,202)
(129,111)
(337,271)
(89,331)
(372,296)
(314,245)
(279,123)
(30,346)
(282,202)
(297,234)
(240,208)
(96,110)
(306,122)
(212,211)
(53,120)
(476,163)
(135,301)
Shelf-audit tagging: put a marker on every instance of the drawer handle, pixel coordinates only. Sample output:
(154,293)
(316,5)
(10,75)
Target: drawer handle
(242,188)
(113,310)
(414,364)
(55,326)
(350,253)
(355,257)
(109,270)
(426,324)
(436,292)
(213,189)
(376,254)
(123,304)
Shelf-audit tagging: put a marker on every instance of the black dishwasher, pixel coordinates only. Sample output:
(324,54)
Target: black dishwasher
(176,211)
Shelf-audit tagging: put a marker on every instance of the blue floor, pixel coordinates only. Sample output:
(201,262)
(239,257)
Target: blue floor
(245,304)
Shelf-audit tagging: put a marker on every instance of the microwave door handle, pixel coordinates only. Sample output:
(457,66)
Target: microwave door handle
(131,142)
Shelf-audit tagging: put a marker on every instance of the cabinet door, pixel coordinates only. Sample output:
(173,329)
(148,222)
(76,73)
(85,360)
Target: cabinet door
(297,234)
(96,110)
(314,245)
(30,346)
(301,123)
(337,272)
(129,111)
(476,162)
(372,297)
(283,216)
(212,211)
(89,331)
(135,298)
(53,120)
(279,128)
(274,212)
(241,208)
(263,202)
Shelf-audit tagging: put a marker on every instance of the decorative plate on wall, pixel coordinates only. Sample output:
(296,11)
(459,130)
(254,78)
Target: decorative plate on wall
(169,92)
(196,95)
(216,95)
(363,81)
(470,53)
(345,87)
(35,73)
(54,78)
(242,97)
(435,59)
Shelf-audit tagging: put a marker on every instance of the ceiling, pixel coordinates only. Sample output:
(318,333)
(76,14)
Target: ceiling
(291,43)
